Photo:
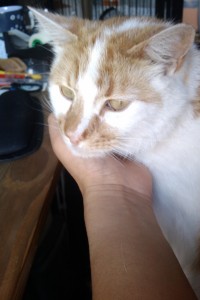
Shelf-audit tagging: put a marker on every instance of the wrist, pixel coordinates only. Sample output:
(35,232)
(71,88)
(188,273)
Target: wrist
(113,190)
(105,195)
(135,180)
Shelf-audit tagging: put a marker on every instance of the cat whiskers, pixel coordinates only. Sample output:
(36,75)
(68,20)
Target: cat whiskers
(46,48)
(115,156)
(121,159)
(46,103)
(118,154)
(52,126)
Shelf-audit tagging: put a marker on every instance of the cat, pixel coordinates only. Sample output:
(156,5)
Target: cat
(131,86)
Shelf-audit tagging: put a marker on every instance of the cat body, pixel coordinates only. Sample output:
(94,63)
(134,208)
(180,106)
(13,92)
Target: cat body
(130,86)
(176,197)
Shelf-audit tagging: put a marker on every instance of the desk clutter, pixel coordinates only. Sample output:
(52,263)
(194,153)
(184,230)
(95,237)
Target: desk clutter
(18,38)
(24,69)
(33,79)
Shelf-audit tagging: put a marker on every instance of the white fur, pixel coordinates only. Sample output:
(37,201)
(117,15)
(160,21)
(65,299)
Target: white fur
(87,88)
(131,24)
(59,103)
(175,166)
(86,82)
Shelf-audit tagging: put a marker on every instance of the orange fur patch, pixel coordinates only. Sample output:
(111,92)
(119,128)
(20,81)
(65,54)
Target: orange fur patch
(71,121)
(99,136)
(120,68)
(196,107)
(196,263)
(120,71)
(196,104)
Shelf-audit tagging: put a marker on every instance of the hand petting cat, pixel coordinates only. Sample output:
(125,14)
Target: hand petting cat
(121,226)
(103,171)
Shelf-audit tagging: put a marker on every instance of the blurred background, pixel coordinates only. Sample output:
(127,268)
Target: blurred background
(93,9)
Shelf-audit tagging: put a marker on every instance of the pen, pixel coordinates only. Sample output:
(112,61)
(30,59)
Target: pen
(4,74)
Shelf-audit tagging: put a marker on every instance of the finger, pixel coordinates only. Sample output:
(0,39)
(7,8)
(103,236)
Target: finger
(80,168)
(60,148)
(55,136)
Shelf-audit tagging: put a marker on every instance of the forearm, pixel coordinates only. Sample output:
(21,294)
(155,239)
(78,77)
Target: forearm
(130,258)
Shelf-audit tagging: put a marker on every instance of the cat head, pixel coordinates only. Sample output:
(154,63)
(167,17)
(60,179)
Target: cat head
(117,85)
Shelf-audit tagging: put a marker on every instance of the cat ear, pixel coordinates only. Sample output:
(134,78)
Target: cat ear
(170,46)
(55,28)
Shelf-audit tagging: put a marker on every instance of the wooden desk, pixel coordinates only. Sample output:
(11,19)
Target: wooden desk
(26,186)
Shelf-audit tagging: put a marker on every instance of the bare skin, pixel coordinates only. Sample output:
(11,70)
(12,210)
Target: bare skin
(130,259)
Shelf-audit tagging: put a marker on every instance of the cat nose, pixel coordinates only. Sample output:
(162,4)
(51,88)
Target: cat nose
(73,137)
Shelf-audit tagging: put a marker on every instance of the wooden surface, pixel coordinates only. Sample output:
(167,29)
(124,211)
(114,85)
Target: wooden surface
(26,187)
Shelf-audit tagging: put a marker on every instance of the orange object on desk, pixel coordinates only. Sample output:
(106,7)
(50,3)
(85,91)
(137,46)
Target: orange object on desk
(14,75)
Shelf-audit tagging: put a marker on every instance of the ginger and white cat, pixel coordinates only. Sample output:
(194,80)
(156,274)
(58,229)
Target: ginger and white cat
(131,86)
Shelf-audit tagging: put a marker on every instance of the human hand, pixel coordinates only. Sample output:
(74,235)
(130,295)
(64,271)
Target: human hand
(101,172)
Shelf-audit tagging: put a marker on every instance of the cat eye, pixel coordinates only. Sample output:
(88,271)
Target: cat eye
(116,105)
(67,92)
